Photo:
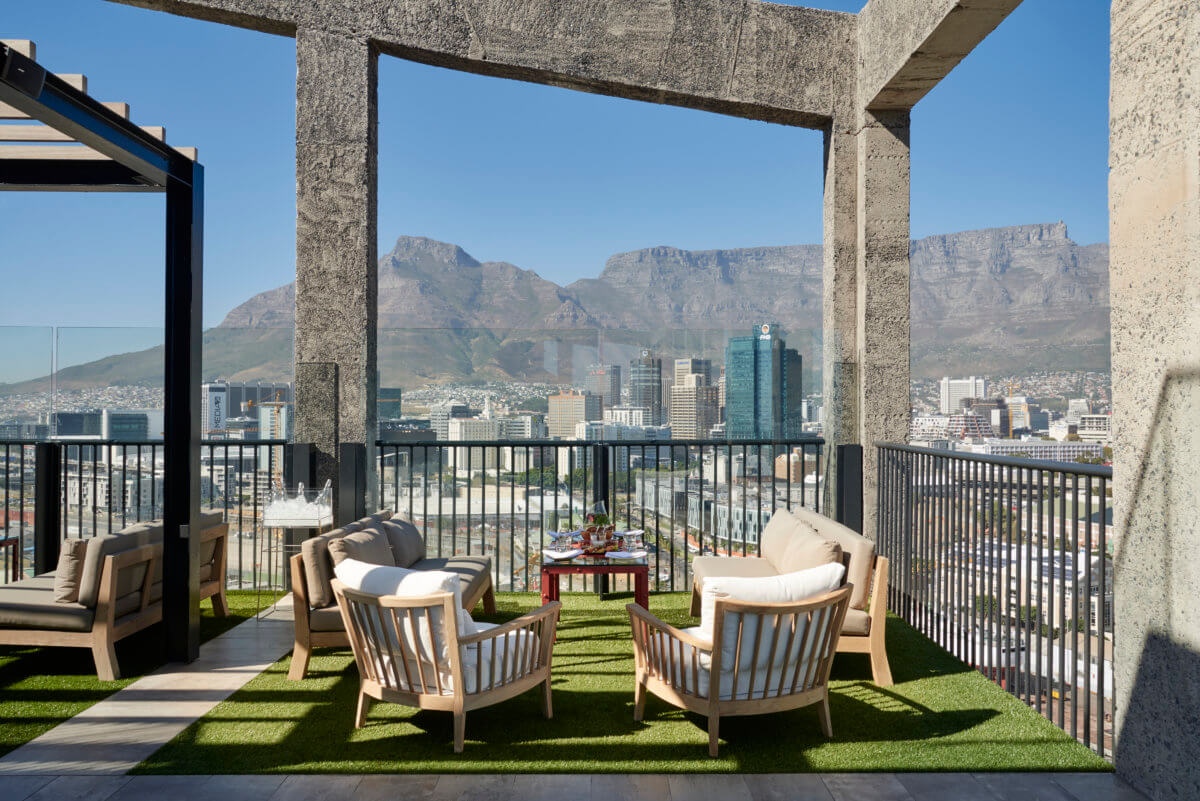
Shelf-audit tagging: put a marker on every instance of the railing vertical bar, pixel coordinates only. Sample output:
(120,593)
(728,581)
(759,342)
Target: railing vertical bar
(1087,643)
(1061,562)
(1075,568)
(1101,622)
(1040,640)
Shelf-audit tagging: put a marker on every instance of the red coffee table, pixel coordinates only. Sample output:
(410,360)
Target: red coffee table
(596,566)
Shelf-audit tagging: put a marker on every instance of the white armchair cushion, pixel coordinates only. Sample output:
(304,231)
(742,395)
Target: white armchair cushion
(404,583)
(780,659)
(784,588)
(513,651)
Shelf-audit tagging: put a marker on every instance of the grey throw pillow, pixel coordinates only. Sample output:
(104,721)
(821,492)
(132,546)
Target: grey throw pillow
(70,571)
(368,545)
(408,546)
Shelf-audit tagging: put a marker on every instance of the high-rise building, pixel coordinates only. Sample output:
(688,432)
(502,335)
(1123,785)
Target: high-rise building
(693,366)
(440,415)
(76,424)
(1095,427)
(387,403)
(952,391)
(645,385)
(214,408)
(523,426)
(274,420)
(605,380)
(460,429)
(1076,408)
(566,409)
(124,426)
(628,415)
(693,407)
(763,386)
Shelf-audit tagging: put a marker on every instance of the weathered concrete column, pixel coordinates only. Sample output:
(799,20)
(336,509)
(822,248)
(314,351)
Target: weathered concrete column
(882,283)
(839,306)
(336,272)
(1154,203)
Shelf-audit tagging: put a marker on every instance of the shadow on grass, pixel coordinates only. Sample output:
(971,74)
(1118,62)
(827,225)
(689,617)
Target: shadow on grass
(275,726)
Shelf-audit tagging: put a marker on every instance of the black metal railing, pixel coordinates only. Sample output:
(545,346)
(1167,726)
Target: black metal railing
(104,486)
(691,497)
(1005,563)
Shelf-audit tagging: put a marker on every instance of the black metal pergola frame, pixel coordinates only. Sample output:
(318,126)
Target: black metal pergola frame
(131,159)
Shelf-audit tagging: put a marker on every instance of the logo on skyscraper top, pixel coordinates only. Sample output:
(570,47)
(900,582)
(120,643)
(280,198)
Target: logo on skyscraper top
(766,331)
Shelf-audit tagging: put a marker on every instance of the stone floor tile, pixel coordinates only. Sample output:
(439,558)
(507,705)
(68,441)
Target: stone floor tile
(945,787)
(866,787)
(467,787)
(1096,787)
(80,788)
(241,788)
(708,787)
(630,787)
(18,788)
(787,787)
(392,787)
(552,787)
(316,788)
(1024,787)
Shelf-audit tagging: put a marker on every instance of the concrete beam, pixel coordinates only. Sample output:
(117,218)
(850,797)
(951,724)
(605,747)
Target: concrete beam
(739,57)
(905,47)
(336,216)
(1154,230)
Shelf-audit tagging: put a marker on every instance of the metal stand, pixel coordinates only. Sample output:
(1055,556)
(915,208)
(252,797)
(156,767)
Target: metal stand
(277,543)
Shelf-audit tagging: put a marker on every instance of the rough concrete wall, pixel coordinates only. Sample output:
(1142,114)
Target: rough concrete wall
(1154,199)
(908,46)
(336,217)
(882,290)
(739,57)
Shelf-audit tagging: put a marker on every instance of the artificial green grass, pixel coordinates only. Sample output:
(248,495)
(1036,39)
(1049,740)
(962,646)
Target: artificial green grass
(42,687)
(940,715)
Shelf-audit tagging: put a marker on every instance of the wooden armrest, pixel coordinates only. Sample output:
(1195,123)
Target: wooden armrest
(524,621)
(636,611)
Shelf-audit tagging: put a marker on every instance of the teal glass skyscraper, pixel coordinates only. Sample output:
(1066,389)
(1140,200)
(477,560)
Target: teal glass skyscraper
(763,386)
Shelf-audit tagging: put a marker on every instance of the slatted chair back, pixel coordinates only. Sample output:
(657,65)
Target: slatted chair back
(763,651)
(406,645)
(496,658)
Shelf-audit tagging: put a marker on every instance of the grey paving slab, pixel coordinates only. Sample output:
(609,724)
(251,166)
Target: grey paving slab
(175,788)
(866,787)
(630,787)
(317,788)
(787,787)
(466,787)
(1097,787)
(718,787)
(241,788)
(1024,787)
(552,787)
(18,788)
(114,735)
(388,787)
(948,786)
(80,788)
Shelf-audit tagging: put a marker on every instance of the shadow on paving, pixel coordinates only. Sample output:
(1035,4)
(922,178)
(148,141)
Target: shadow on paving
(940,715)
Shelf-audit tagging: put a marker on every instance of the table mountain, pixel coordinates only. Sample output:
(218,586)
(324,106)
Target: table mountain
(1001,299)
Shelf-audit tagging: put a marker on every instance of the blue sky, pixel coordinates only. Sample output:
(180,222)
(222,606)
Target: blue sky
(551,180)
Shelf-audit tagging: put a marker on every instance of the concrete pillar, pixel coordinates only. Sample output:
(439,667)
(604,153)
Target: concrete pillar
(839,307)
(336,271)
(882,285)
(1154,204)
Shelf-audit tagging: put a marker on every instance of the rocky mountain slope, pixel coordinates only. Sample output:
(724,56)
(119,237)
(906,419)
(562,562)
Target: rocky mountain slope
(1015,298)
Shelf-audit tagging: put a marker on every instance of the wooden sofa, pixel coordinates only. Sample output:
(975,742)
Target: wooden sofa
(120,593)
(317,619)
(865,623)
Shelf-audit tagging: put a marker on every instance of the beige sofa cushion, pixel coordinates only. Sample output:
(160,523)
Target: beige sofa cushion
(808,549)
(30,604)
(473,572)
(70,570)
(777,537)
(408,546)
(857,622)
(858,552)
(105,545)
(741,566)
(318,566)
(369,545)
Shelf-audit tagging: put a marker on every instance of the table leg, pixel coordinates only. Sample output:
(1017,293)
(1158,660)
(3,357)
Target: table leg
(546,594)
(641,589)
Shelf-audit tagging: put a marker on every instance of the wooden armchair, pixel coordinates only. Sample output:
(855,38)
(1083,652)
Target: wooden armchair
(409,652)
(769,657)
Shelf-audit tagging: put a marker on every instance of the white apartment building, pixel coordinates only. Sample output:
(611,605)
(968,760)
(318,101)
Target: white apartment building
(628,416)
(953,390)
(928,426)
(464,460)
(1095,428)
(1045,449)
